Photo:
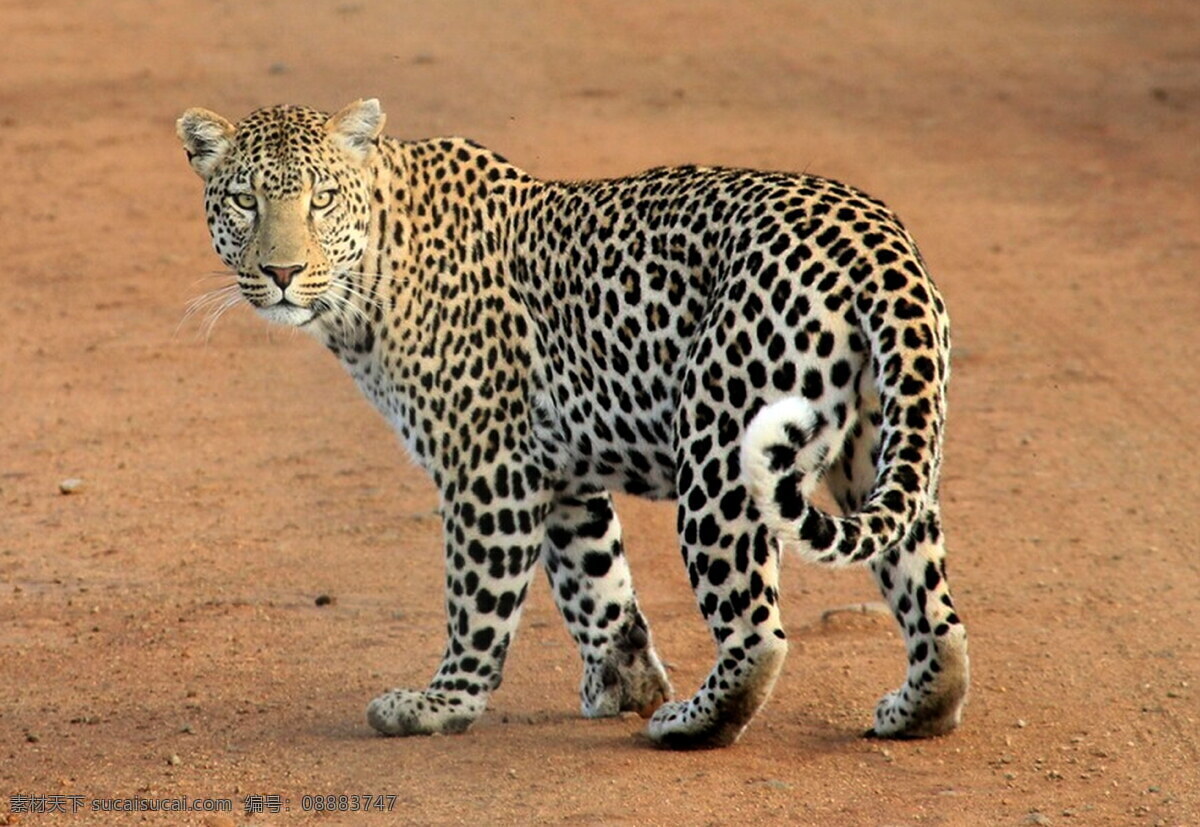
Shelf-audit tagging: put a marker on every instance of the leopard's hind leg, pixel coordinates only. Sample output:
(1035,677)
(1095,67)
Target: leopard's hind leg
(733,565)
(912,579)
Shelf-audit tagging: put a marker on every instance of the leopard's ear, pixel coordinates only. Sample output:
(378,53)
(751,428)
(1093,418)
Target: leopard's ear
(356,126)
(206,138)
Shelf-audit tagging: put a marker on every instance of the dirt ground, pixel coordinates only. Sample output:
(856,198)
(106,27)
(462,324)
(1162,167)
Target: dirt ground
(159,628)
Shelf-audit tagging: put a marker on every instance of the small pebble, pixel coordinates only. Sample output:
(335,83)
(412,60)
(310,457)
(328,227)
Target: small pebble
(70,486)
(174,760)
(325,600)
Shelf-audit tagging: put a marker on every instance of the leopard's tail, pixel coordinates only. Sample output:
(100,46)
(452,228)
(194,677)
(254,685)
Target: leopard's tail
(783,458)
(786,450)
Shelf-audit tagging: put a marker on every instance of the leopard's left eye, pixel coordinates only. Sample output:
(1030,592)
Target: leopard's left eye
(323,199)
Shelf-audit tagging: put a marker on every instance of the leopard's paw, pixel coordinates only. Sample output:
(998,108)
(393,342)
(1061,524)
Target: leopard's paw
(407,712)
(925,708)
(625,682)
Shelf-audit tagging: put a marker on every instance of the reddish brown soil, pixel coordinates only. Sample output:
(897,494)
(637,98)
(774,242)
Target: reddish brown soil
(158,628)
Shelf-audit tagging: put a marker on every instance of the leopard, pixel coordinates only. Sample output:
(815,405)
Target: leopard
(722,337)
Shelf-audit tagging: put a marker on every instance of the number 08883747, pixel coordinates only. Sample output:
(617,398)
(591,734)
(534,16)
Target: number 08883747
(347,803)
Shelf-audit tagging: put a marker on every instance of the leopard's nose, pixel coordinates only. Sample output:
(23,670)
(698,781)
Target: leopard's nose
(282,275)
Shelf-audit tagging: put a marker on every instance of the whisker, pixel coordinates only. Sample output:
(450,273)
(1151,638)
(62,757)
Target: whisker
(205,303)
(220,310)
(382,278)
(343,305)
(213,275)
(361,274)
(217,312)
(212,295)
(351,293)
(342,298)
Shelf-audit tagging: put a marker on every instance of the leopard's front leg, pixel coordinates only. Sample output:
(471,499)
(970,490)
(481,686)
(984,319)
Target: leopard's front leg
(494,523)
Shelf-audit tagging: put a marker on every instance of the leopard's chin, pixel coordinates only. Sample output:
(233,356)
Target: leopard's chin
(287,314)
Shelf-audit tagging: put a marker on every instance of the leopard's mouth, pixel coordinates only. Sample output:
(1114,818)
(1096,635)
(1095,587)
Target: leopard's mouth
(288,313)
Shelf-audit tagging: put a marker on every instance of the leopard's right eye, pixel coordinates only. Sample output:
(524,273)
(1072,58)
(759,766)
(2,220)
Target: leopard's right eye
(244,201)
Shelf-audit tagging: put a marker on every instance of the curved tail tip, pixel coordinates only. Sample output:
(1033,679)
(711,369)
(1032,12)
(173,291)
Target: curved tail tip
(769,425)
(780,441)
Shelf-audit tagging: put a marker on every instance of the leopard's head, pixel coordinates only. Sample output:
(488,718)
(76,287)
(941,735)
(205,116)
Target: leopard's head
(287,194)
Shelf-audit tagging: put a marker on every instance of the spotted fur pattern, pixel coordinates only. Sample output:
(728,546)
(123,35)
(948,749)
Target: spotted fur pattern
(725,338)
